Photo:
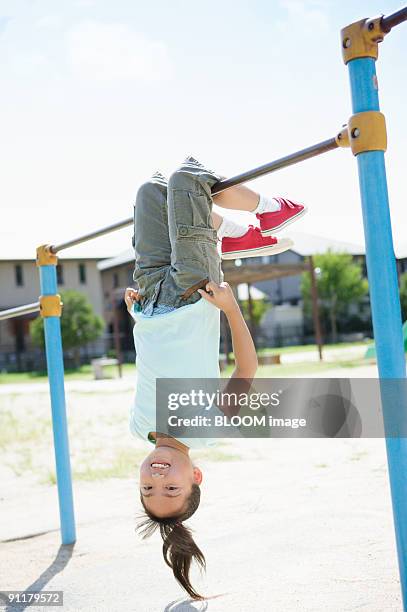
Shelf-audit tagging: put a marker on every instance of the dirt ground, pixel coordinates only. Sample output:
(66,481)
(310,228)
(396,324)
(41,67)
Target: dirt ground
(286,525)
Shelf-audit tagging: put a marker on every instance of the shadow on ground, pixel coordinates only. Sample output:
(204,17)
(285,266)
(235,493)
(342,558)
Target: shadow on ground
(62,559)
(190,605)
(186,605)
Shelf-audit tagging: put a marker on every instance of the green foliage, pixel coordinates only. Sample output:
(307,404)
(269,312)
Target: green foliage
(259,308)
(340,283)
(79,323)
(403,295)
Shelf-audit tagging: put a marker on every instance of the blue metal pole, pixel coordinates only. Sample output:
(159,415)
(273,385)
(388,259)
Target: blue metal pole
(385,300)
(55,365)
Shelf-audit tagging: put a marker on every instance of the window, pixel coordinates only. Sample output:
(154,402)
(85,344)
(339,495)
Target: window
(19,338)
(82,274)
(115,279)
(60,274)
(19,275)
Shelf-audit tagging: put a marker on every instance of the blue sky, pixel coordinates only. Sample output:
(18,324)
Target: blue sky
(96,95)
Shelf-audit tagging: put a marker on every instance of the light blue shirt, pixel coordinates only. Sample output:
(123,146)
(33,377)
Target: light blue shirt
(182,343)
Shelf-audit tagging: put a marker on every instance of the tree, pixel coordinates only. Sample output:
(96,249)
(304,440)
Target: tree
(79,324)
(403,295)
(253,312)
(259,308)
(339,282)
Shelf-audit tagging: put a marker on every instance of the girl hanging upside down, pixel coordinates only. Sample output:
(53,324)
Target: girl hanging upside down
(176,307)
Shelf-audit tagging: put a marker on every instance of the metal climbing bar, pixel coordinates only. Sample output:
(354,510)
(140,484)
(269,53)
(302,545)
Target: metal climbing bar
(368,142)
(18,311)
(96,234)
(278,164)
(389,22)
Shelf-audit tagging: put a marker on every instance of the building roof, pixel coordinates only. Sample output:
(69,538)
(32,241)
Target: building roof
(304,244)
(257,272)
(123,258)
(309,244)
(401,251)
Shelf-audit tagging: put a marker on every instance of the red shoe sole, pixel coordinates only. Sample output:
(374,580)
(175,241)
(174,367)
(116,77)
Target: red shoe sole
(272,249)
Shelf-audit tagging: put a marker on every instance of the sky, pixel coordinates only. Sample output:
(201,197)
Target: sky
(97,95)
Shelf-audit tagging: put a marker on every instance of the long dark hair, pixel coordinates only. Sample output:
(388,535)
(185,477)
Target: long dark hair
(179,548)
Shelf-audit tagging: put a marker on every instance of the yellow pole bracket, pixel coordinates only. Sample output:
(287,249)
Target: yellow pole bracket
(45,257)
(342,138)
(367,132)
(50,305)
(361,39)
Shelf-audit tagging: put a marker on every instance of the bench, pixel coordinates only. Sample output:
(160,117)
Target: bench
(99,364)
(269,359)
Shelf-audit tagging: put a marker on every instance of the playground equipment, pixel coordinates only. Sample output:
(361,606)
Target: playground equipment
(365,134)
(371,350)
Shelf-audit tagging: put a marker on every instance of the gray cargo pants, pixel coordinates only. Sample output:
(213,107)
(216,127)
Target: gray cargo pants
(175,242)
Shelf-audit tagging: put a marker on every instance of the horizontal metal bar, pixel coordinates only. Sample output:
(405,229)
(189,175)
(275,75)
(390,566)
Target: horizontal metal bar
(278,164)
(19,310)
(394,19)
(289,160)
(96,234)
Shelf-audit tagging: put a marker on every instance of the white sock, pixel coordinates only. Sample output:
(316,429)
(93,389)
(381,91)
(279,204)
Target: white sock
(230,229)
(266,205)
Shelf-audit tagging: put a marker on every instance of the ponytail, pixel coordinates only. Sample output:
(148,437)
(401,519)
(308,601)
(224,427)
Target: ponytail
(179,547)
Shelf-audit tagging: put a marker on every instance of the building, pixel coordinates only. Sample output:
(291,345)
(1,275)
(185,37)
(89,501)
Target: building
(285,323)
(401,254)
(104,280)
(286,290)
(19,284)
(116,273)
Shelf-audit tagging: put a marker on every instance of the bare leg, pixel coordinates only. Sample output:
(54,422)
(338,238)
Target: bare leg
(237,198)
(216,220)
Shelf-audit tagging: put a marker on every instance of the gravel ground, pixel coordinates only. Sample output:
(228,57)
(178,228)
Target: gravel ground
(286,525)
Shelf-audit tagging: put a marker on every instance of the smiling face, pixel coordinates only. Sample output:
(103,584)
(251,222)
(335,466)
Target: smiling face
(166,479)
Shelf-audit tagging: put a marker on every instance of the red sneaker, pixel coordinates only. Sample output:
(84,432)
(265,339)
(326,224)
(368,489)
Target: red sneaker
(253,244)
(274,221)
